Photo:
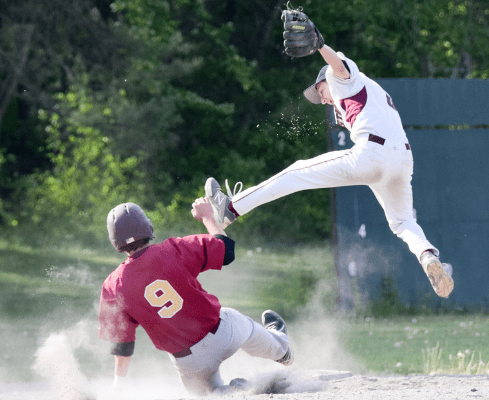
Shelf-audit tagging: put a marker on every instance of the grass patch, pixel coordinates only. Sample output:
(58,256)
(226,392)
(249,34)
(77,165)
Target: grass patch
(284,280)
(37,281)
(464,363)
(55,286)
(421,344)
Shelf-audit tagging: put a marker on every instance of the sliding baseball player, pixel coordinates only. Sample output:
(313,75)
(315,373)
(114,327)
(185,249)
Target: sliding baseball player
(157,288)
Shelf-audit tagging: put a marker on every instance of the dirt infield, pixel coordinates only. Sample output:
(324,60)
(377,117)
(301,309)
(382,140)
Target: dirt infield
(285,387)
(404,387)
(62,378)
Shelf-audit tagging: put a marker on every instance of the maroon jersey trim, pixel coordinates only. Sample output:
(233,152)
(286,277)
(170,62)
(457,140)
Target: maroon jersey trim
(354,105)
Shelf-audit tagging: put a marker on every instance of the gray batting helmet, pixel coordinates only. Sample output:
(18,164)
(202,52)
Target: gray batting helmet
(127,223)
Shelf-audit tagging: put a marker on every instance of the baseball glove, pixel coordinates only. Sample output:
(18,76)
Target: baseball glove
(301,36)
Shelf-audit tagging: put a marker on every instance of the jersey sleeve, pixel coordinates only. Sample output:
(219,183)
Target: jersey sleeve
(229,243)
(345,88)
(201,252)
(115,325)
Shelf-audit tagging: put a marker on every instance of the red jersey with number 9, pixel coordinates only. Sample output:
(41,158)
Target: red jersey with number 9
(158,289)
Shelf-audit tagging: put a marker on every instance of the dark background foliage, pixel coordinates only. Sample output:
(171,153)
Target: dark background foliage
(103,102)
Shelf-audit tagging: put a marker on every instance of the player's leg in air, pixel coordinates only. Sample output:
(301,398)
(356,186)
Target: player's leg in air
(332,169)
(395,195)
(392,188)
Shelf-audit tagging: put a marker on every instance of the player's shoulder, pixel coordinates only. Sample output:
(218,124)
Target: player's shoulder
(349,64)
(200,237)
(111,283)
(186,244)
(176,245)
(114,275)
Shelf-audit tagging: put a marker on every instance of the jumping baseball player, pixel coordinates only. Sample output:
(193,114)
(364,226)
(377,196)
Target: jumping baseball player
(156,288)
(381,157)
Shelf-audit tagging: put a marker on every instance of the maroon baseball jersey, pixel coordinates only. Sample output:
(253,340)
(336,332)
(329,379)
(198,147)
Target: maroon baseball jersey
(158,289)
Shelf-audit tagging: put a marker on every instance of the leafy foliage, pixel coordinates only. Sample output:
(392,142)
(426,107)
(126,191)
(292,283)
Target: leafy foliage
(104,101)
(86,179)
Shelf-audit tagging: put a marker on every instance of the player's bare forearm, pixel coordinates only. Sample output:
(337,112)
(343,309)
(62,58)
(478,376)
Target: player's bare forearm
(213,227)
(332,59)
(121,365)
(202,211)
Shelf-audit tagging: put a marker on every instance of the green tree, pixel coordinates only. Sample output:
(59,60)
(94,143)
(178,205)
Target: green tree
(41,42)
(413,38)
(87,179)
(194,88)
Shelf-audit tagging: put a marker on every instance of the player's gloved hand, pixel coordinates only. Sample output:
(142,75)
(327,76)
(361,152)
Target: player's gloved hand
(302,38)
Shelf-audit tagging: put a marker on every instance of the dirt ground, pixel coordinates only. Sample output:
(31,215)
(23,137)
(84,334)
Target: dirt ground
(402,387)
(330,385)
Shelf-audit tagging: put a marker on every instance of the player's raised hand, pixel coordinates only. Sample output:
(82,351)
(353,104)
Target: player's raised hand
(201,208)
(203,211)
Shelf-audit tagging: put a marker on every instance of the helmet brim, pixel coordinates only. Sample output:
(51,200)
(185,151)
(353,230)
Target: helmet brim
(311,93)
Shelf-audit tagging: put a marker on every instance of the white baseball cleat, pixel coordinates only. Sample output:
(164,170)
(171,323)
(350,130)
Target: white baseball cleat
(440,275)
(220,202)
(272,321)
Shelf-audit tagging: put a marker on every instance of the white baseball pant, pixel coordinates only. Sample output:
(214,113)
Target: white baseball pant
(387,169)
(199,371)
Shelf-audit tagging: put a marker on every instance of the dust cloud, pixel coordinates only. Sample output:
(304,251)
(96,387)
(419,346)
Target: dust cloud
(72,363)
(56,362)
(315,340)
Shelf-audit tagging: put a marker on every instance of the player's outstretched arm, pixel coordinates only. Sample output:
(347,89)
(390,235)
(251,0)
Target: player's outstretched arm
(202,211)
(121,367)
(302,38)
(332,59)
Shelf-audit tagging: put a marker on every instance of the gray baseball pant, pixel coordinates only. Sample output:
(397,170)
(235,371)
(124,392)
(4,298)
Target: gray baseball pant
(199,371)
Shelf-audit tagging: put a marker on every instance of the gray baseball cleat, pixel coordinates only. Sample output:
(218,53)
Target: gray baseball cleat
(272,321)
(220,202)
(439,274)
(240,384)
(235,385)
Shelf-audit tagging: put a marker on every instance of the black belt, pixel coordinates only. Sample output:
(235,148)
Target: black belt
(381,141)
(187,352)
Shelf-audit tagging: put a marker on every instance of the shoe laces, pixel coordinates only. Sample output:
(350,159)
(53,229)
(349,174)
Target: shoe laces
(277,326)
(237,189)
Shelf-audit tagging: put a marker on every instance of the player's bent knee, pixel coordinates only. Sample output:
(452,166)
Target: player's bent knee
(398,227)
